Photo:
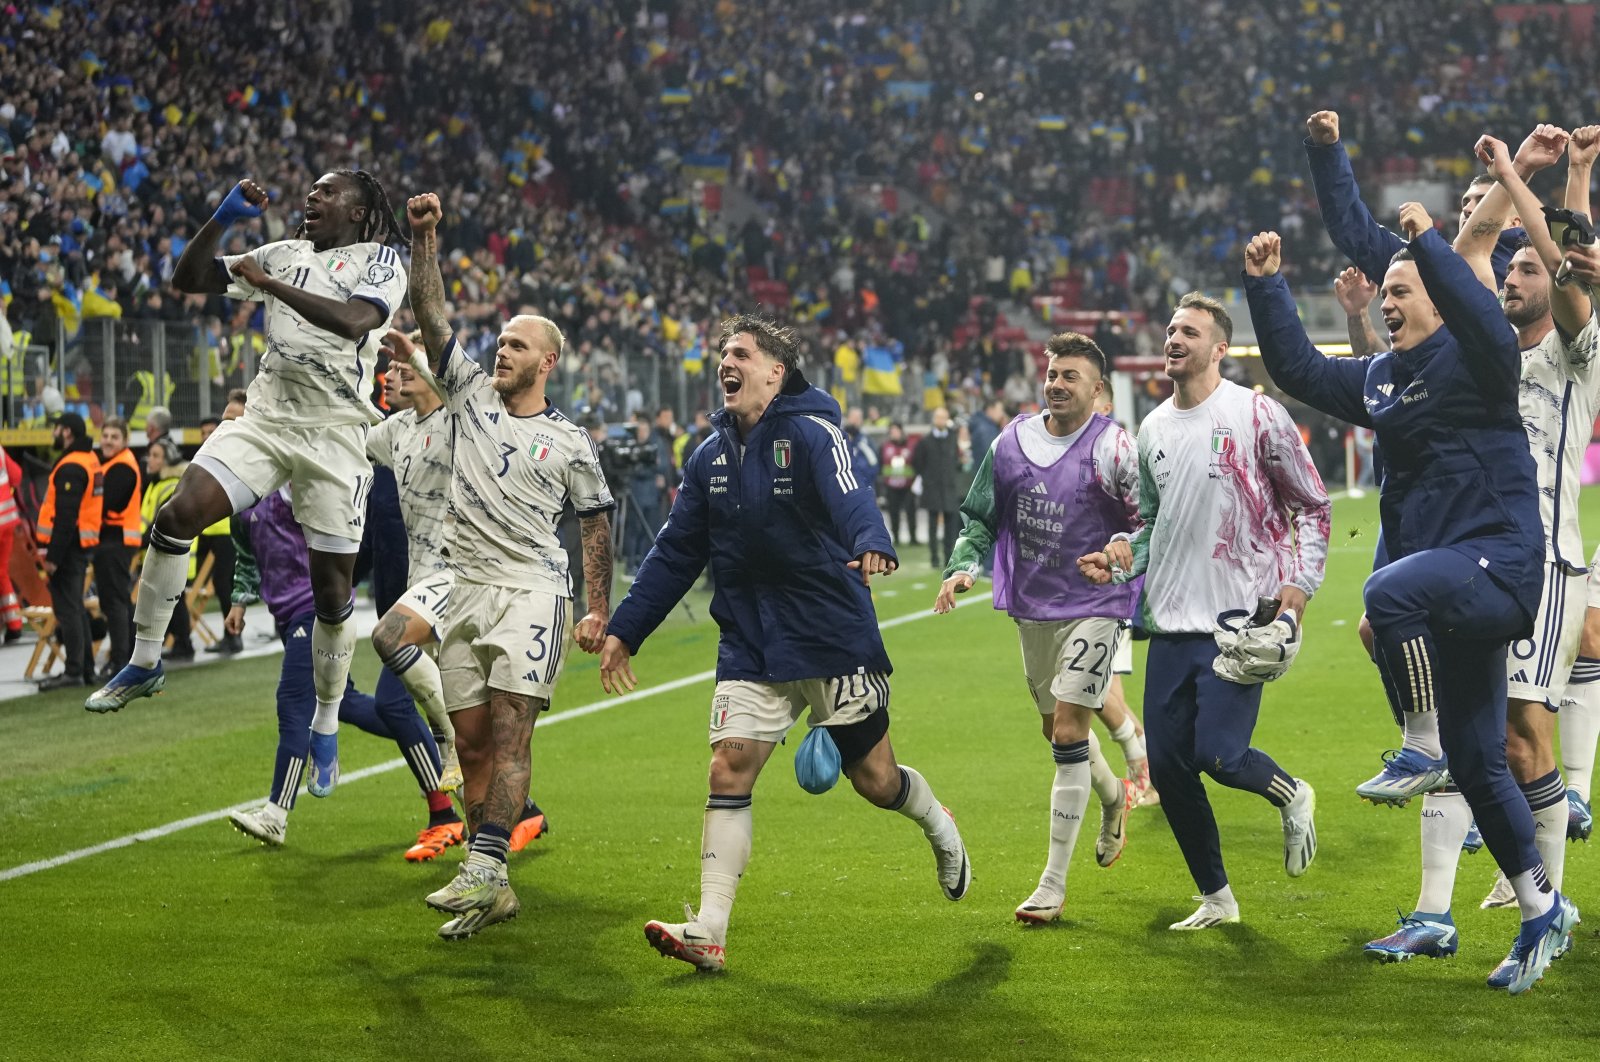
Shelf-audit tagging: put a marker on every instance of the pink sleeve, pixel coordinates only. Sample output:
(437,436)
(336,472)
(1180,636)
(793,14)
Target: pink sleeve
(1299,490)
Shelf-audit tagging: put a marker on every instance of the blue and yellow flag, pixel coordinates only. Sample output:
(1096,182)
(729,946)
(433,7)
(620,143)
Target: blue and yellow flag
(676,97)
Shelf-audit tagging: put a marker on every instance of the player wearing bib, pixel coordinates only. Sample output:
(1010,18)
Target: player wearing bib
(328,296)
(772,502)
(1461,574)
(1051,488)
(1233,511)
(1558,397)
(517,462)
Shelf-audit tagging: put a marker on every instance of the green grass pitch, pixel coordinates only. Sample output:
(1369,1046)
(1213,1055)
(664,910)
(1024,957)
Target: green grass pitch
(202,944)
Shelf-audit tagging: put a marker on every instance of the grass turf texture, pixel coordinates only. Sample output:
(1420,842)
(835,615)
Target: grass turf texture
(203,944)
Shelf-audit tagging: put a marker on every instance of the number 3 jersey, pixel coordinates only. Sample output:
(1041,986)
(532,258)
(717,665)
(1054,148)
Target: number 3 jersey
(308,374)
(512,476)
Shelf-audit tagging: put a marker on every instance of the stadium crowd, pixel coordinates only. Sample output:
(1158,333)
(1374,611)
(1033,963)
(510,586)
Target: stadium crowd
(1036,155)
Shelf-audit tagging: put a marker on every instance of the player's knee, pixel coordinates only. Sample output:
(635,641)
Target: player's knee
(733,766)
(1071,723)
(1220,760)
(1364,631)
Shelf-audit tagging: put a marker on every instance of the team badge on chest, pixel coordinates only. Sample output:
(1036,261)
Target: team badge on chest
(539,449)
(782,453)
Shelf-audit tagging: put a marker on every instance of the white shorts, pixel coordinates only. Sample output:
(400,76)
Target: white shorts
(1594,580)
(429,598)
(1068,660)
(1122,660)
(1537,667)
(326,467)
(764,711)
(503,638)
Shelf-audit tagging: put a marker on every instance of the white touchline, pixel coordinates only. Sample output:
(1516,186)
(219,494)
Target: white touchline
(380,768)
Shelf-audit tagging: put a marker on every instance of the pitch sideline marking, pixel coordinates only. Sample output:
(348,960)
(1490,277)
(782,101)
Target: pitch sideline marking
(156,832)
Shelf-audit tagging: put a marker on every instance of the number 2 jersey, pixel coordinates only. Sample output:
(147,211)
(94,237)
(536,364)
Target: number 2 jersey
(308,375)
(512,476)
(419,450)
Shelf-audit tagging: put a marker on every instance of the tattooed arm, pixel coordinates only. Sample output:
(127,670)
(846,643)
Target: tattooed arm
(595,531)
(427,284)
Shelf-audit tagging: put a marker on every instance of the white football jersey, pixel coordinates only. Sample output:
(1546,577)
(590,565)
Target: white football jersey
(1233,509)
(419,451)
(308,374)
(512,477)
(1558,397)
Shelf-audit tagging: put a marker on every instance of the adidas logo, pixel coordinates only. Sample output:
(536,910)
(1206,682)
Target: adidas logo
(722,459)
(1038,488)
(1386,390)
(301,633)
(1521,676)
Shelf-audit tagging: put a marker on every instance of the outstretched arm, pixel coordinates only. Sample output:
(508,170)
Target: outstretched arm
(1569,304)
(1351,226)
(1470,311)
(199,271)
(427,283)
(349,318)
(1333,385)
(1355,293)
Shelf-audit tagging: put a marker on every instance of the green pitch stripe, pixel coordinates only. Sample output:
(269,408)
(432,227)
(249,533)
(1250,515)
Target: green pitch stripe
(156,832)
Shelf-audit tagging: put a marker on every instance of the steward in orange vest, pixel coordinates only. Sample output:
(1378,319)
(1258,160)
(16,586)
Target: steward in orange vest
(69,530)
(120,534)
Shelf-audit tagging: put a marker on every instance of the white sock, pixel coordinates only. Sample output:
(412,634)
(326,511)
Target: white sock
(724,853)
(1107,786)
(275,813)
(920,805)
(1422,733)
(1222,897)
(1446,818)
(161,582)
(1069,799)
(422,681)
(1127,735)
(332,645)
(1580,728)
(1550,838)
(1534,899)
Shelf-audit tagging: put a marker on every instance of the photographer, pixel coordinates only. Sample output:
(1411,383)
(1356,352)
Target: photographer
(635,467)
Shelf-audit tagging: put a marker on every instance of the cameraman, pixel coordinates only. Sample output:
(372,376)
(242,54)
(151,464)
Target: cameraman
(647,488)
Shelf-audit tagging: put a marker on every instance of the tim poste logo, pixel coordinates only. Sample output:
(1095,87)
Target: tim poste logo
(782,453)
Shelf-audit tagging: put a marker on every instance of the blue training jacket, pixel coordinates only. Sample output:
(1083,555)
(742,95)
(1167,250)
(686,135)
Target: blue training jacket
(1357,234)
(1457,471)
(778,520)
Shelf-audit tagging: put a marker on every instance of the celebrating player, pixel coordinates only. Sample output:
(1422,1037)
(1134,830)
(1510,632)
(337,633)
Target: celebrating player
(1462,551)
(329,293)
(517,462)
(1559,395)
(1050,489)
(771,501)
(1222,471)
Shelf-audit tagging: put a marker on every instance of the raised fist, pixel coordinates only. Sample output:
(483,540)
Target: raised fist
(424,212)
(1323,127)
(1583,146)
(1542,148)
(1263,255)
(1414,220)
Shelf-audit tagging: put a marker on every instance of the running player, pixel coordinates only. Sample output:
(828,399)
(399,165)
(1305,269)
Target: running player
(1052,488)
(517,461)
(1222,470)
(329,293)
(417,443)
(771,501)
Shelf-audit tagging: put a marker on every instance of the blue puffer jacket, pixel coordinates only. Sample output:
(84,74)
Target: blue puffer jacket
(778,519)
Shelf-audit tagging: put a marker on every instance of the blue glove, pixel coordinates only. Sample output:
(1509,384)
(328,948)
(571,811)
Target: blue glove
(816,762)
(235,208)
